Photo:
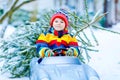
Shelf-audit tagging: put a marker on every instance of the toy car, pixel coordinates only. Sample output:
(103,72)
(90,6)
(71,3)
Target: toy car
(61,68)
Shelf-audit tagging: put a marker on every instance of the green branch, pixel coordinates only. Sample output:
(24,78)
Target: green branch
(105,29)
(91,23)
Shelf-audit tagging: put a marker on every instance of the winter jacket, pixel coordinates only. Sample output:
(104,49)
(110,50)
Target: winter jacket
(54,40)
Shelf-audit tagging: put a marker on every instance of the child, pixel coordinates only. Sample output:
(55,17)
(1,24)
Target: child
(57,41)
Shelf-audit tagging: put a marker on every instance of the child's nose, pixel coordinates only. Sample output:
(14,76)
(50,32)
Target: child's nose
(58,22)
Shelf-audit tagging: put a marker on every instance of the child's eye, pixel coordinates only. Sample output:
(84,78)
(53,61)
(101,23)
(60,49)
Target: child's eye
(61,21)
(56,21)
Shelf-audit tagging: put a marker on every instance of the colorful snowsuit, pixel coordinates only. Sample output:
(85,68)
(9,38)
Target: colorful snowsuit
(54,40)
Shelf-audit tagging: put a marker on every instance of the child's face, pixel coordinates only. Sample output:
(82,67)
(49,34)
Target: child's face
(58,24)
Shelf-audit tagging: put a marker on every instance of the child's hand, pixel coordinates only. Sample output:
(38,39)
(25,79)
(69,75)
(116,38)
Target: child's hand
(49,53)
(70,52)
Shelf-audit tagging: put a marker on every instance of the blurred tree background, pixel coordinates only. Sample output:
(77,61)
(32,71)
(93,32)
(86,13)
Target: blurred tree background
(31,17)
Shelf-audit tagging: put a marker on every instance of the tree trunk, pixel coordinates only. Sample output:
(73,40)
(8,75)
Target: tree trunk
(116,10)
(105,10)
(109,6)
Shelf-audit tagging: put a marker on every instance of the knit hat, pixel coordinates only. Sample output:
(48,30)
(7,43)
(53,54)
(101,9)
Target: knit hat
(60,14)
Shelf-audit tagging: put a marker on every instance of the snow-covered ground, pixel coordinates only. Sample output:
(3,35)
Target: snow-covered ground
(106,62)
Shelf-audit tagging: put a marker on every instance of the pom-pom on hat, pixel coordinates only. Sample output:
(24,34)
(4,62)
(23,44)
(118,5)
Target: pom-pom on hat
(60,14)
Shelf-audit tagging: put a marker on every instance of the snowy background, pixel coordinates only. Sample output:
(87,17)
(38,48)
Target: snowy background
(106,62)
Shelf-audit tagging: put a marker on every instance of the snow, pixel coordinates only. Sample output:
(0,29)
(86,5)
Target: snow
(9,31)
(106,62)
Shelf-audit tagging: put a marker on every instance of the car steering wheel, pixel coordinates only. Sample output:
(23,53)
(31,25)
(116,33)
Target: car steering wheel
(58,51)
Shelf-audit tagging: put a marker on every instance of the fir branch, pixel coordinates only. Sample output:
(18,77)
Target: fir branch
(95,39)
(86,37)
(98,27)
(89,49)
(83,41)
(91,23)
(83,28)
(96,19)
(86,9)
(80,20)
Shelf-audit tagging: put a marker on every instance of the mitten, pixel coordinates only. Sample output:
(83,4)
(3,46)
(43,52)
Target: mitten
(49,53)
(70,52)
(45,52)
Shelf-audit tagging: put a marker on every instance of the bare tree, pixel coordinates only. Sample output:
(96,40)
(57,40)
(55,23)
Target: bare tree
(109,6)
(6,17)
(116,9)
